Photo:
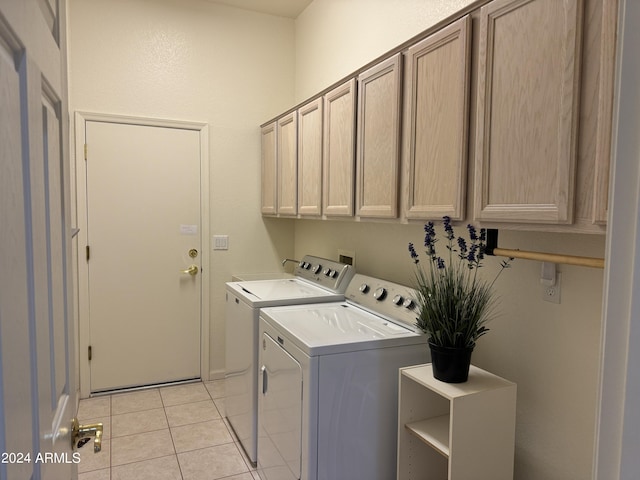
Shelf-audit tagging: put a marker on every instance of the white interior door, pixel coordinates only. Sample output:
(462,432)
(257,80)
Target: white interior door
(143,231)
(37,370)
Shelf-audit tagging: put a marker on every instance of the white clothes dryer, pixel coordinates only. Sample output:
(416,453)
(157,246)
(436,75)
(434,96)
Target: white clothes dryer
(328,387)
(315,280)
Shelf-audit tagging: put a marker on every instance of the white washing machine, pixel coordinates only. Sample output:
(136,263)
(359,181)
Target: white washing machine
(315,280)
(328,383)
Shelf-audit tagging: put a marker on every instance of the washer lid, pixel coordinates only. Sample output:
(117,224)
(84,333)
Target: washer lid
(337,327)
(281,291)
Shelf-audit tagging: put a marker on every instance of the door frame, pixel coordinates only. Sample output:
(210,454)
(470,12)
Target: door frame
(81,204)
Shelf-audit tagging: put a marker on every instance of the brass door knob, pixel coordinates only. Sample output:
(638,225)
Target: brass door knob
(192,270)
(80,434)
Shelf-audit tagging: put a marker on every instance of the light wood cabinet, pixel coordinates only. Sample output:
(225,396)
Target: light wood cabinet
(378,149)
(527,110)
(512,121)
(310,158)
(339,150)
(269,169)
(606,77)
(435,153)
(455,431)
(287,134)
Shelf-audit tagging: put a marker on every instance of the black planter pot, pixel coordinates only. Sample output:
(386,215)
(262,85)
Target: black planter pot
(450,364)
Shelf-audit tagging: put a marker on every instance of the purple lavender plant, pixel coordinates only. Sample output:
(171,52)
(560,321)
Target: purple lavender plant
(454,303)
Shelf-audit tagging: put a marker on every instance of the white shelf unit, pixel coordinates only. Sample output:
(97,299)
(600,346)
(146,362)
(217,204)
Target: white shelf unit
(455,431)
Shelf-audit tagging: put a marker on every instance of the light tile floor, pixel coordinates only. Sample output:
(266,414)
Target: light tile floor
(168,433)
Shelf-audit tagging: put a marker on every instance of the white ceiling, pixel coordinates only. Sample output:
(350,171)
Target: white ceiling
(282,8)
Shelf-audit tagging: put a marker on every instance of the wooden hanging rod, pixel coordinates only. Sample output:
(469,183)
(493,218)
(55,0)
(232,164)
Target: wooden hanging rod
(493,249)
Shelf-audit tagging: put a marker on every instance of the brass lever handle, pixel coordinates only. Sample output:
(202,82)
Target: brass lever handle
(81,432)
(192,270)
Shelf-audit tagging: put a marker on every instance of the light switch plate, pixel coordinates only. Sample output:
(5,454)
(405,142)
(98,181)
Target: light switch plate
(221,242)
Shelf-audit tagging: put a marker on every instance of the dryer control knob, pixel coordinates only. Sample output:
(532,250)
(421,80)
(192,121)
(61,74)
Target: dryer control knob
(317,268)
(307,265)
(397,300)
(380,293)
(408,303)
(326,272)
(333,273)
(364,288)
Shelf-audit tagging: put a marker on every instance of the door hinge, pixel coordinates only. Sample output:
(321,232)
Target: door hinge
(85,152)
(88,253)
(90,353)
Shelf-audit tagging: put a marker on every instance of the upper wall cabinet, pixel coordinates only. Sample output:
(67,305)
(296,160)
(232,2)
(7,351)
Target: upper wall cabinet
(287,134)
(310,158)
(437,111)
(524,104)
(378,150)
(527,110)
(339,150)
(269,170)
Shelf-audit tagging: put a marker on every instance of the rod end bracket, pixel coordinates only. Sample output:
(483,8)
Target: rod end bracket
(492,241)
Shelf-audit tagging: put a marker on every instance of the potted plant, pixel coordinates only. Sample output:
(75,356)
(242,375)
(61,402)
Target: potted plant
(454,303)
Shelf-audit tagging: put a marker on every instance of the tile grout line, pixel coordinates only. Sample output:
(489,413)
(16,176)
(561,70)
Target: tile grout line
(164,408)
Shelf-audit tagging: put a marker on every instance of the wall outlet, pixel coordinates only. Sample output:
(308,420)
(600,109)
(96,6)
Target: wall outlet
(552,294)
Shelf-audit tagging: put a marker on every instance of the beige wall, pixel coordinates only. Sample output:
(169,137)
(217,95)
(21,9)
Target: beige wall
(335,37)
(197,61)
(551,351)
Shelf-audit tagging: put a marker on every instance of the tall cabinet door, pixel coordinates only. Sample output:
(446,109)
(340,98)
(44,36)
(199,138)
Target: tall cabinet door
(287,164)
(379,91)
(310,158)
(269,170)
(436,154)
(527,110)
(339,150)
(607,78)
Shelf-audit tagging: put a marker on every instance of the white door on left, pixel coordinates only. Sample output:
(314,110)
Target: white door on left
(144,230)
(37,369)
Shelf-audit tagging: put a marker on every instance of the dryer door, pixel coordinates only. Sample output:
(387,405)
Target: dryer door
(280,412)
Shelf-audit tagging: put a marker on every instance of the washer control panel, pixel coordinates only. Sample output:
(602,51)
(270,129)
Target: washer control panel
(327,273)
(398,302)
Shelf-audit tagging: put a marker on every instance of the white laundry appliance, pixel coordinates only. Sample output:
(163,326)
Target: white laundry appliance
(315,280)
(328,383)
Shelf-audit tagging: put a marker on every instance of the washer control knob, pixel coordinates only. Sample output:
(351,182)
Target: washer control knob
(301,264)
(317,268)
(326,271)
(397,300)
(380,294)
(364,288)
(307,265)
(408,303)
(333,273)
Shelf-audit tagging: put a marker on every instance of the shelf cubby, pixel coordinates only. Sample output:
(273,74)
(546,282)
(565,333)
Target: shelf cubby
(463,431)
